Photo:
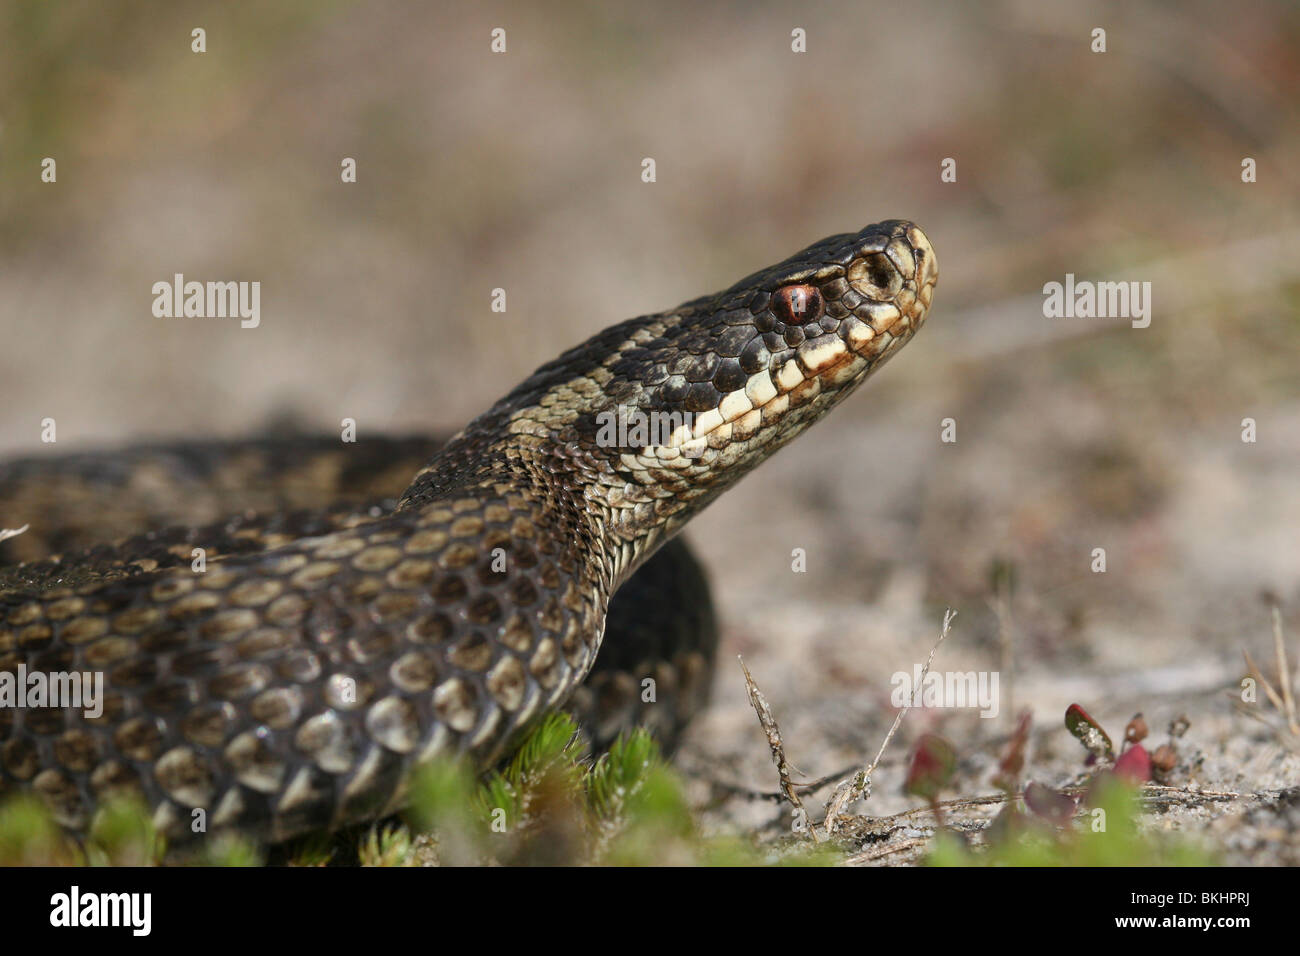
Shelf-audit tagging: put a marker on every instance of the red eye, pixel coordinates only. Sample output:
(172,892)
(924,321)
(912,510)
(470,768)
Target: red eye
(798,304)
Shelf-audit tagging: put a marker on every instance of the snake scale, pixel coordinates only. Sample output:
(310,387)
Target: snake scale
(326,648)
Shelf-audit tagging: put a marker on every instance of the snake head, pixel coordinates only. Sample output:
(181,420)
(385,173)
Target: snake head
(652,418)
(748,368)
(813,325)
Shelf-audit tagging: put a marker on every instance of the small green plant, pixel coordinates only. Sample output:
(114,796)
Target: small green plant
(553,803)
(230,850)
(30,837)
(122,834)
(387,846)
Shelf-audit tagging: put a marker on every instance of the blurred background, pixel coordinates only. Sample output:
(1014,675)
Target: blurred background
(522,171)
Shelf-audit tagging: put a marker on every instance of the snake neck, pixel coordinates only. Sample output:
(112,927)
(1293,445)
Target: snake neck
(624,438)
(608,527)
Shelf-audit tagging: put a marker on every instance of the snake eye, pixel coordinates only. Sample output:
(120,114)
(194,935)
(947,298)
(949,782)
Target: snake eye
(798,304)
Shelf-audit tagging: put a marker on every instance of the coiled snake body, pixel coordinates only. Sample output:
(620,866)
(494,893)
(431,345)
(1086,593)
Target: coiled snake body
(325,649)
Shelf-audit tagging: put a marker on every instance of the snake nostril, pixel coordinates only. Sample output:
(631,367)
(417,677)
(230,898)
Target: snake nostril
(875,277)
(878,272)
(798,304)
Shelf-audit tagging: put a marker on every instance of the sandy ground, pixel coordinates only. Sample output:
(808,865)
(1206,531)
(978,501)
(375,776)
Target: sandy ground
(522,171)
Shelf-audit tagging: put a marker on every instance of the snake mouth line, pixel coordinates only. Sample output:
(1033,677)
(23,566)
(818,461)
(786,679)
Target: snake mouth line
(763,401)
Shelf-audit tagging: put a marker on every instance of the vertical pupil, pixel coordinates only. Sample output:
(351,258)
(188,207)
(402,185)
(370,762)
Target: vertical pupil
(799,304)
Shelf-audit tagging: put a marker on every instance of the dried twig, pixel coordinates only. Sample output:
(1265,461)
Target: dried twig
(1262,681)
(773,732)
(1284,674)
(1149,793)
(859,784)
(750,793)
(1281,697)
(1000,605)
(870,856)
(6,533)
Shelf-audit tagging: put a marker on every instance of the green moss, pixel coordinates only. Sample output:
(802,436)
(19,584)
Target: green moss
(387,846)
(29,837)
(230,850)
(122,834)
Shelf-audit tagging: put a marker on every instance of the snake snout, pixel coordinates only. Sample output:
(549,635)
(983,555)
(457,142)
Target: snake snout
(927,266)
(891,277)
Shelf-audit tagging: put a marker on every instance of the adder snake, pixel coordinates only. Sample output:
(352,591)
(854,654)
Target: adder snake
(327,648)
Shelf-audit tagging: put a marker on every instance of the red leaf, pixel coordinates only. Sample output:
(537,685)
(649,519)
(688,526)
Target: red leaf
(1134,765)
(1013,755)
(934,761)
(1055,807)
(1088,731)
